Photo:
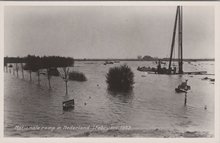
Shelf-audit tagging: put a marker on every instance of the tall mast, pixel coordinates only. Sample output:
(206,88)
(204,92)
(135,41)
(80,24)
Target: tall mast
(180,40)
(173,39)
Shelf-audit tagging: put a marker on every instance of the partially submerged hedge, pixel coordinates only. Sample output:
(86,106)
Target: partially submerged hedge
(120,78)
(77,76)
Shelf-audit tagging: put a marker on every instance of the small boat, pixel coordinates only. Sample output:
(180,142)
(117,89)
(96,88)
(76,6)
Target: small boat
(205,78)
(146,69)
(108,62)
(68,104)
(179,90)
(183,87)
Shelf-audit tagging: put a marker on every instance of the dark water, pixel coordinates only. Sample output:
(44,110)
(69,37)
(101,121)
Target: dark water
(152,104)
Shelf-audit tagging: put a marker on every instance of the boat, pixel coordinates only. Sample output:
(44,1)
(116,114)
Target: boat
(170,70)
(175,69)
(68,104)
(108,62)
(178,22)
(183,87)
(146,69)
(178,90)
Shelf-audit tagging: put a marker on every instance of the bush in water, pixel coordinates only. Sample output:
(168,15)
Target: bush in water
(120,78)
(78,76)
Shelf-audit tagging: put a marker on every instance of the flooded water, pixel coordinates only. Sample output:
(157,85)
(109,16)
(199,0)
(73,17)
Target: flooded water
(152,104)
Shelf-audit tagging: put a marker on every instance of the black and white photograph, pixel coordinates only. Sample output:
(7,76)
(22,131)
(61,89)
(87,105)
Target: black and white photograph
(109,71)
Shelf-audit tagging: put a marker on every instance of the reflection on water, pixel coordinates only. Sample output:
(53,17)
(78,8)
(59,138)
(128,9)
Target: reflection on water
(124,97)
(153,102)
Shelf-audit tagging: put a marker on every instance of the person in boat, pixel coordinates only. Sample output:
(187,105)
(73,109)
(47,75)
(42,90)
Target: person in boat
(183,85)
(159,67)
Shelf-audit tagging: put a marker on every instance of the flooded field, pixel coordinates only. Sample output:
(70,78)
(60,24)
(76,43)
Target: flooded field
(152,105)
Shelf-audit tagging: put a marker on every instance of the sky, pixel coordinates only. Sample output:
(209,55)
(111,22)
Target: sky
(106,31)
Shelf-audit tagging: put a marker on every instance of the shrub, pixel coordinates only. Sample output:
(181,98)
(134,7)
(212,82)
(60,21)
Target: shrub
(120,78)
(53,72)
(78,76)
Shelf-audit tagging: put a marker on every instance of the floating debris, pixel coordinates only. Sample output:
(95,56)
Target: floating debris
(10,66)
(146,69)
(205,78)
(68,104)
(108,62)
(212,79)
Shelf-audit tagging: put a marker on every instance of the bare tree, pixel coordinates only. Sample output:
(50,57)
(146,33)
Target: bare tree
(13,70)
(16,68)
(22,70)
(48,77)
(30,72)
(38,76)
(65,75)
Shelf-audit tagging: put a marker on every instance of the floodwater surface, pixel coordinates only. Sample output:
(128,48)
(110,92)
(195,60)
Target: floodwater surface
(152,104)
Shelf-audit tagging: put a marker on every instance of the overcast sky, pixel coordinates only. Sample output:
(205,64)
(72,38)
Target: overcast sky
(106,32)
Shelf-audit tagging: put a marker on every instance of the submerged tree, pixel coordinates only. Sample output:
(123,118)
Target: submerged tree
(47,63)
(54,62)
(16,68)
(29,65)
(13,70)
(22,70)
(35,64)
(37,67)
(15,61)
(65,76)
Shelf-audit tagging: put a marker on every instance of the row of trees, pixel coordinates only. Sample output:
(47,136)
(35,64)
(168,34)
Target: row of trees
(34,63)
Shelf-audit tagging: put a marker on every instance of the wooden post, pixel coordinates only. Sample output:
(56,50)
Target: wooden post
(185,101)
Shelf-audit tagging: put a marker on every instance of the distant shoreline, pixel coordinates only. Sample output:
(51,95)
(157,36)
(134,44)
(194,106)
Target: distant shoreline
(163,59)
